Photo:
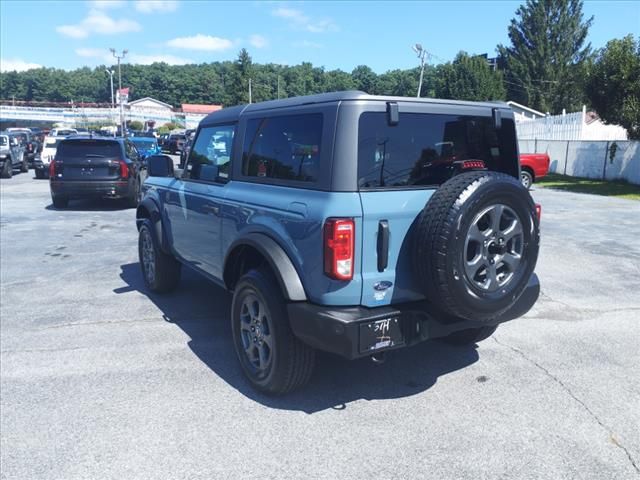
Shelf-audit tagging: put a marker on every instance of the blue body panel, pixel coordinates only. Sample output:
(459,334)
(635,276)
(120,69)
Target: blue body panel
(400,208)
(294,219)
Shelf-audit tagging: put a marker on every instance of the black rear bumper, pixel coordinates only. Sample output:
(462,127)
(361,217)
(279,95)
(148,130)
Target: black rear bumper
(339,330)
(87,189)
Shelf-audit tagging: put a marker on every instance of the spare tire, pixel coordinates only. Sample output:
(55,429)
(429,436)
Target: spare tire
(476,245)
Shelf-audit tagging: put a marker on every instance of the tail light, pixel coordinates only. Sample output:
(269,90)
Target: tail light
(124,169)
(469,164)
(30,147)
(52,169)
(339,240)
(538,212)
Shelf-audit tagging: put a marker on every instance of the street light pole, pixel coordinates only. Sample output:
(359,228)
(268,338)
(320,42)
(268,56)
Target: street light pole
(422,53)
(111,72)
(119,57)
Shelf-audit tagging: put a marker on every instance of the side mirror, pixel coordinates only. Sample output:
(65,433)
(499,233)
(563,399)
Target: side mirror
(160,166)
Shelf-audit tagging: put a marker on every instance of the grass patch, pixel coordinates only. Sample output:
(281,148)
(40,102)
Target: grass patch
(586,185)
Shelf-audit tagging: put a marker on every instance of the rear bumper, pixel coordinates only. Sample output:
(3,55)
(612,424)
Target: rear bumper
(339,329)
(84,189)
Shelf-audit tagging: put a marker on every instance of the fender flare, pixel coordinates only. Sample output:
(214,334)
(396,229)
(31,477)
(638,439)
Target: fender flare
(156,218)
(278,260)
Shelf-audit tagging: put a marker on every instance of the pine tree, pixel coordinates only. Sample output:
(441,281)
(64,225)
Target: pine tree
(545,64)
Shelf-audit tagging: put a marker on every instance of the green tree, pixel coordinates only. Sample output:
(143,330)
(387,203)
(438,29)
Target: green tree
(243,71)
(613,84)
(469,78)
(364,78)
(545,63)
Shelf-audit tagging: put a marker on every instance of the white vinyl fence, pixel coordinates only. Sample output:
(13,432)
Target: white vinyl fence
(568,126)
(602,160)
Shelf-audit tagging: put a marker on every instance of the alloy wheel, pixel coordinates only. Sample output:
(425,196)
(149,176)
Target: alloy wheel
(493,248)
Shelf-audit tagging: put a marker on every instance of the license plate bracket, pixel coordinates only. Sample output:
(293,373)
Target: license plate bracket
(380,334)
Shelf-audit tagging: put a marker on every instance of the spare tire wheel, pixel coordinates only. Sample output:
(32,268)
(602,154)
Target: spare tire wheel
(476,244)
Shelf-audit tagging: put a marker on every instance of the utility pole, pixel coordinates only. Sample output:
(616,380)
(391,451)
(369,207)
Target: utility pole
(111,72)
(249,90)
(120,57)
(278,86)
(422,53)
(113,103)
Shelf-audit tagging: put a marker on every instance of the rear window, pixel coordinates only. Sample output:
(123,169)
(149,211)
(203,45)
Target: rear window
(284,148)
(144,143)
(83,148)
(422,149)
(52,142)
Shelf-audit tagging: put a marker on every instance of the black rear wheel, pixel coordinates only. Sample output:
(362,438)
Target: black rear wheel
(24,166)
(272,358)
(7,169)
(161,271)
(59,201)
(39,174)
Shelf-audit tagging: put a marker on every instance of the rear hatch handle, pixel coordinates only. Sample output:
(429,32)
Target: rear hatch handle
(383,245)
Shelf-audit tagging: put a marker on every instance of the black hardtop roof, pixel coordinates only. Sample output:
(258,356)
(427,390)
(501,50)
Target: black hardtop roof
(232,114)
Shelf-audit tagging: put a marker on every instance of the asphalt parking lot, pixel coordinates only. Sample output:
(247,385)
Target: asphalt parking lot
(100,379)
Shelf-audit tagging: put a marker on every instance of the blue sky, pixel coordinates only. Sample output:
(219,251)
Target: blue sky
(71,34)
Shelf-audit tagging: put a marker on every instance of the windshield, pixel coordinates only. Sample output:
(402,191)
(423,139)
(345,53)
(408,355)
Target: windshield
(4,141)
(143,143)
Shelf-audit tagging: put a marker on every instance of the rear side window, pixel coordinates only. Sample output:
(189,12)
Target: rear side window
(83,148)
(283,148)
(425,149)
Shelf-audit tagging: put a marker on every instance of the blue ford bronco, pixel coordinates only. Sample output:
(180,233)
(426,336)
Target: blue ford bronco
(348,223)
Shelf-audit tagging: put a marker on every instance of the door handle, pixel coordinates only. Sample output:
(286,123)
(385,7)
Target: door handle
(213,209)
(383,245)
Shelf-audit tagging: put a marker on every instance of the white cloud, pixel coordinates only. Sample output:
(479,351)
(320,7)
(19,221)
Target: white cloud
(100,23)
(156,6)
(298,20)
(11,64)
(106,4)
(307,44)
(258,41)
(91,52)
(149,59)
(201,42)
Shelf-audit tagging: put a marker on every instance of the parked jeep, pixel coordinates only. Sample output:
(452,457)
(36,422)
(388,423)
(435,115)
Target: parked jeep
(348,223)
(11,156)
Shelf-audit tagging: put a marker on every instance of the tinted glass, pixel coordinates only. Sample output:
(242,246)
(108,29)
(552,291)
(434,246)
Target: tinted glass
(144,143)
(286,147)
(210,157)
(82,148)
(52,142)
(426,149)
(4,141)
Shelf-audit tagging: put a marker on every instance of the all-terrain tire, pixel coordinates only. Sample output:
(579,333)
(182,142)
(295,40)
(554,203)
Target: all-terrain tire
(39,174)
(441,243)
(24,166)
(291,362)
(59,201)
(7,169)
(160,270)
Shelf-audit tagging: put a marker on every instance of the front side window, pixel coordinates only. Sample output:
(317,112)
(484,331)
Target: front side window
(425,149)
(210,156)
(4,141)
(285,148)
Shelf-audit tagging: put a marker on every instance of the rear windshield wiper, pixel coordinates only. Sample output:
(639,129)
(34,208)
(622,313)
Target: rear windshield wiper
(94,155)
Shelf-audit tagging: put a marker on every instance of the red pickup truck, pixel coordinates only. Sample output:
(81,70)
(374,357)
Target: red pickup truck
(532,167)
